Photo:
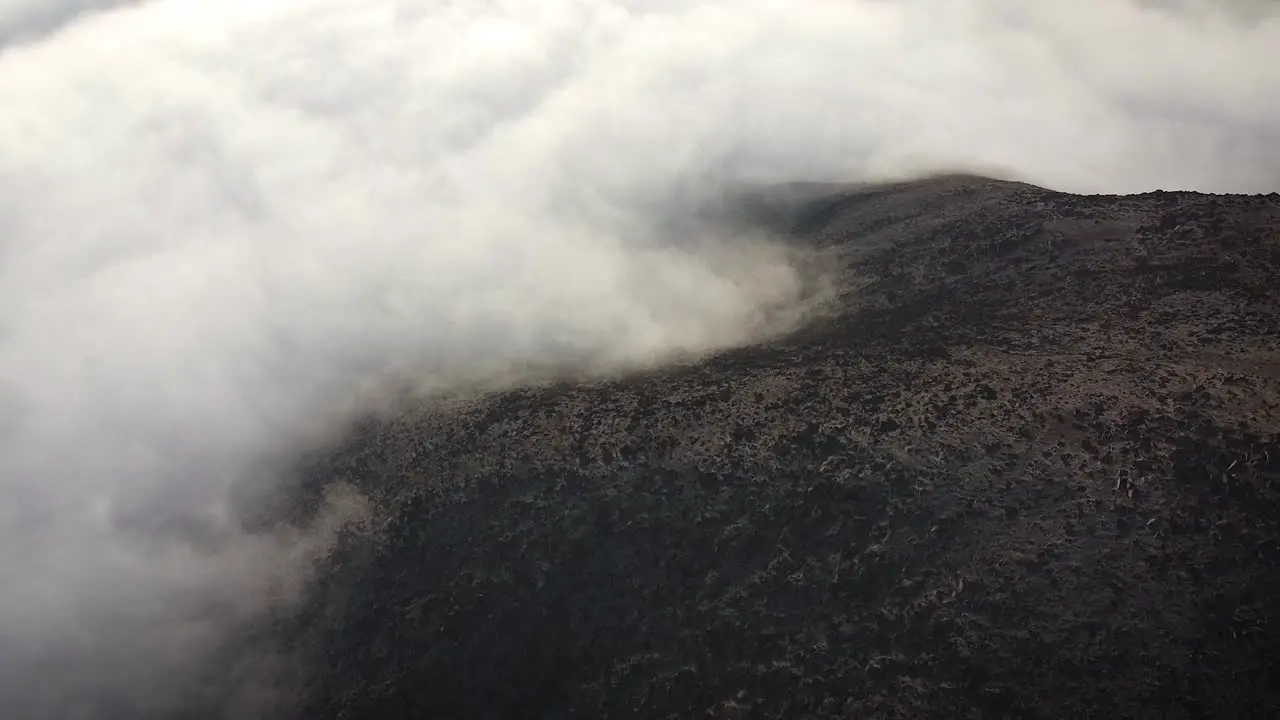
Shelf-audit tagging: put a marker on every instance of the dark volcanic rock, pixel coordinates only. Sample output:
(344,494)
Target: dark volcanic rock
(1028,467)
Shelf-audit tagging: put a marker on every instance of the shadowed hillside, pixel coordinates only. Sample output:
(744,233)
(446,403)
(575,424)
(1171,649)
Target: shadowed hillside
(1026,465)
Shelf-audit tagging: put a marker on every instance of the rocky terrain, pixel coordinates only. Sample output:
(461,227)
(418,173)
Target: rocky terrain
(1027,464)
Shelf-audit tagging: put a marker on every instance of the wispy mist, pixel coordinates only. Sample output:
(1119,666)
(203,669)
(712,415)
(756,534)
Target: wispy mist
(224,226)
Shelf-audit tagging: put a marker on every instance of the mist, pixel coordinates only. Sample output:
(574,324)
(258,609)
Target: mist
(226,228)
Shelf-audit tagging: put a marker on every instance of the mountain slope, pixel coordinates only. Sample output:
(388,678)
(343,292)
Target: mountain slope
(1027,464)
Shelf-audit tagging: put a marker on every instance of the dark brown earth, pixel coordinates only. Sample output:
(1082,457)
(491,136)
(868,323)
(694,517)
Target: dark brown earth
(1030,467)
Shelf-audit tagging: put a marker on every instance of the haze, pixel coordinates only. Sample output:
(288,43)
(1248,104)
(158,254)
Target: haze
(226,226)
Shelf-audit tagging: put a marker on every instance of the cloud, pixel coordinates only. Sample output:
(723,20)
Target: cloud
(224,226)
(29,20)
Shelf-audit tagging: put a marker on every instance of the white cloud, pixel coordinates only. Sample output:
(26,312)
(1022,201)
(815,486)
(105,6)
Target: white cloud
(27,20)
(221,221)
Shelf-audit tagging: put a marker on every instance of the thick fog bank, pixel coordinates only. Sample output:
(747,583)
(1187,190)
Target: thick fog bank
(227,226)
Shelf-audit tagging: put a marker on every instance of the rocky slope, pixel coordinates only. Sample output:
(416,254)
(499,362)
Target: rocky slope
(1027,466)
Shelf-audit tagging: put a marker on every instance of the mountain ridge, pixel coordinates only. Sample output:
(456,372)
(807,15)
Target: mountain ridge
(1027,462)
